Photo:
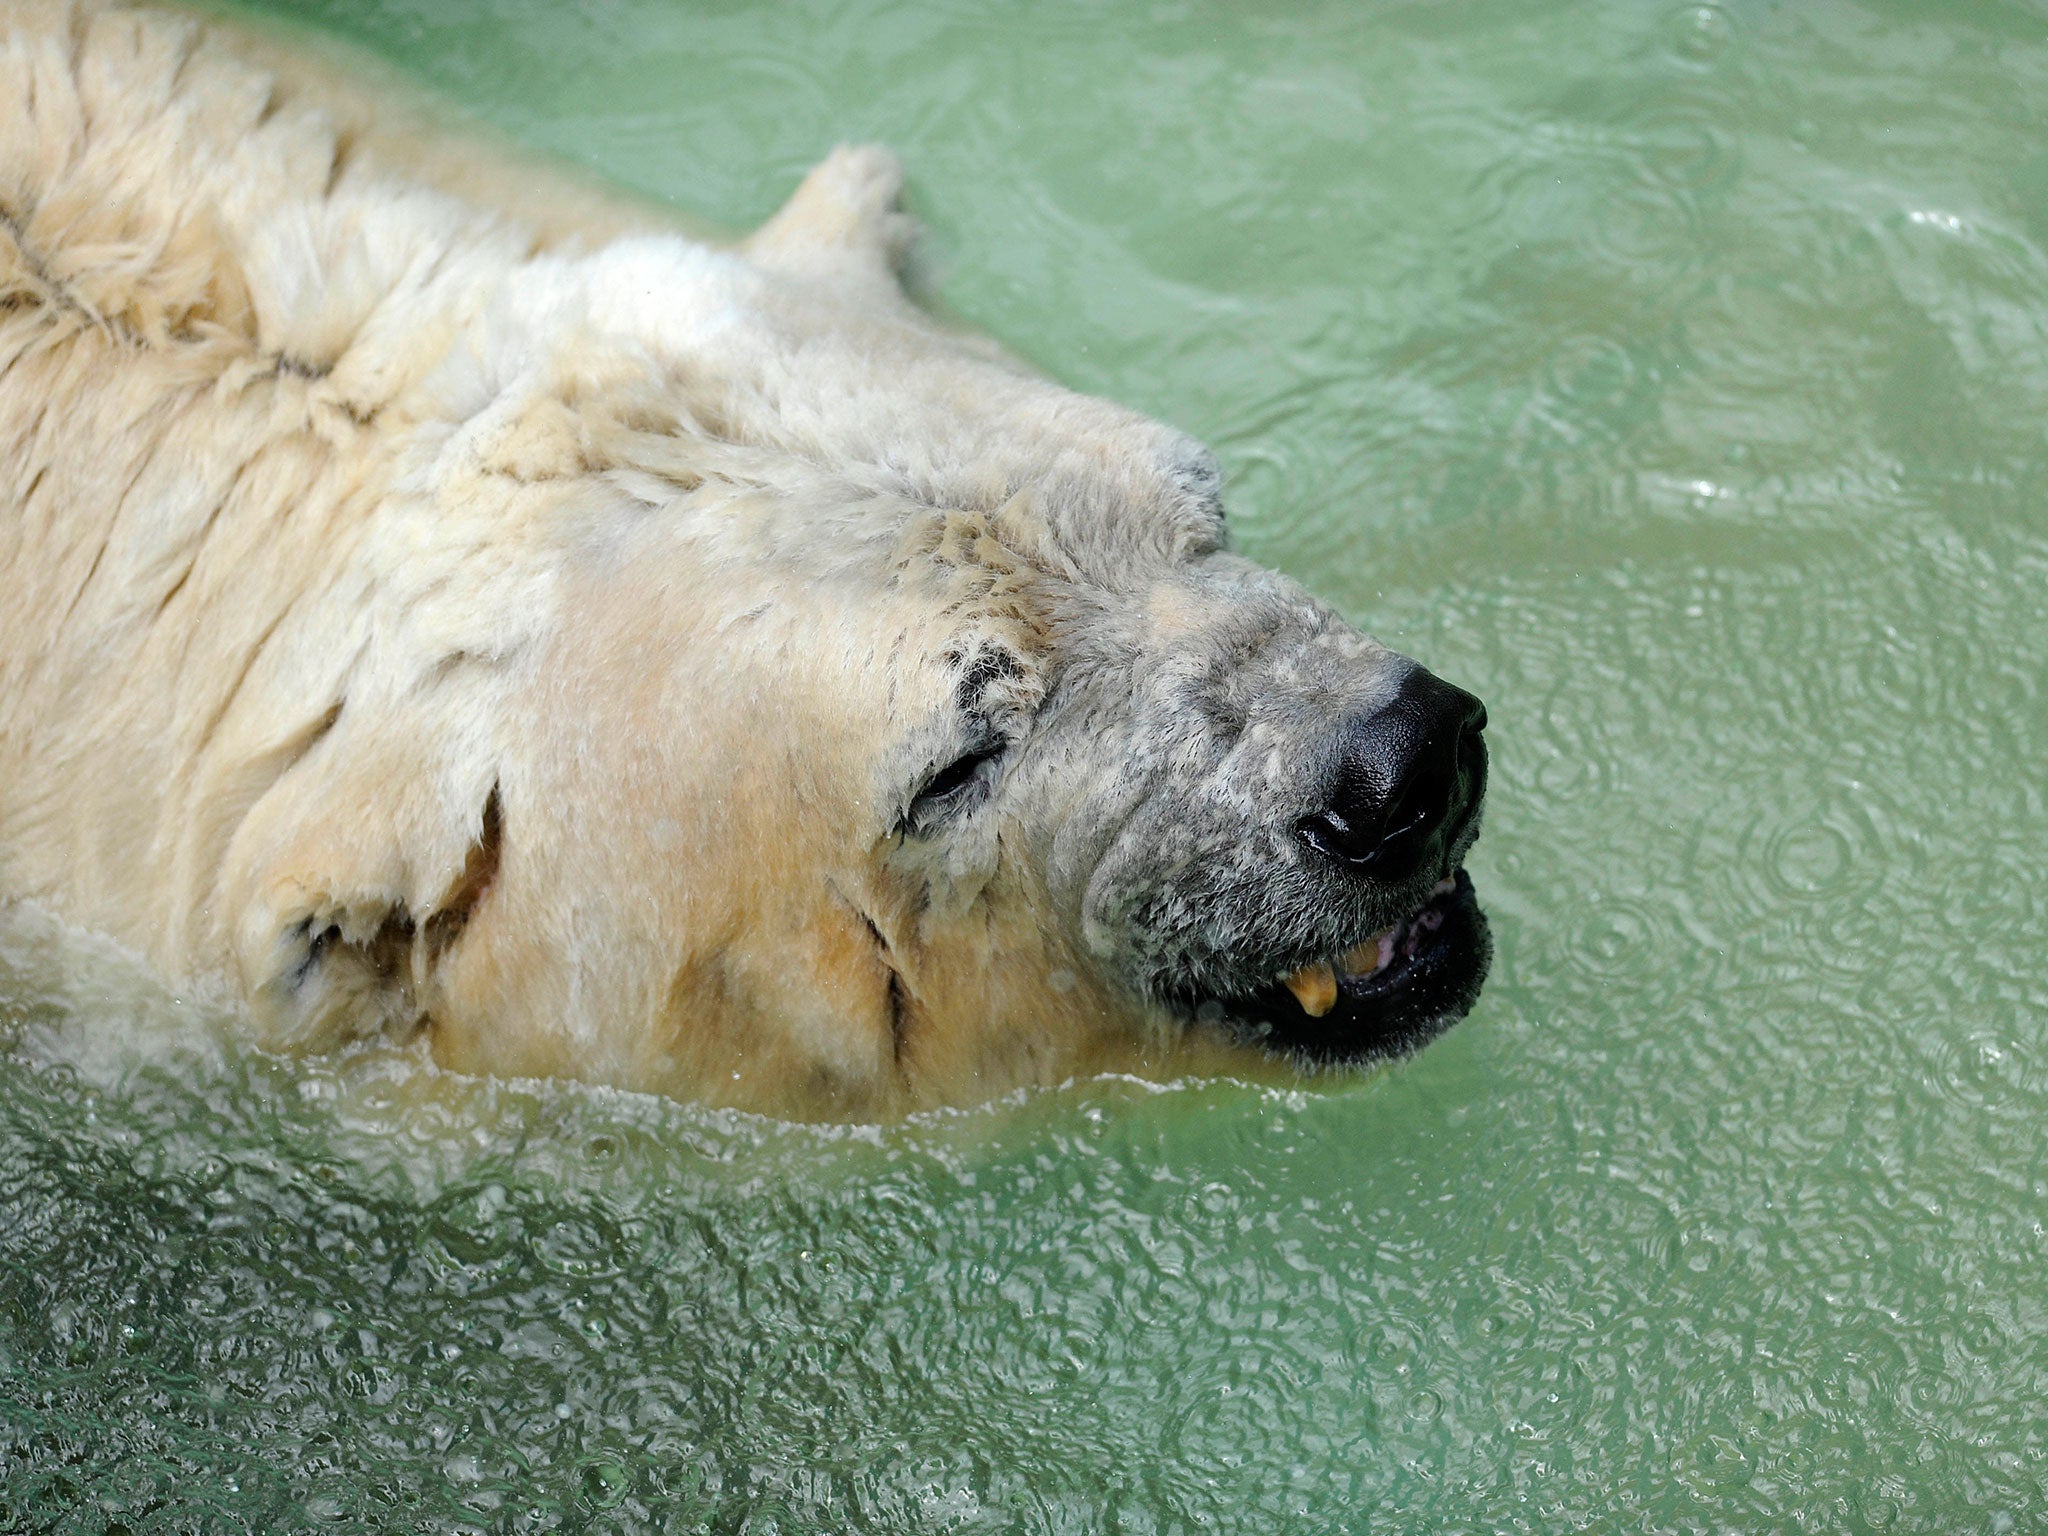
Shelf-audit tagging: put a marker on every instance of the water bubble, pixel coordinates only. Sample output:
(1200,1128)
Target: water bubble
(476,1226)
(1808,861)
(1701,34)
(1979,1336)
(602,1483)
(1933,1392)
(1880,1511)
(1700,1251)
(1612,935)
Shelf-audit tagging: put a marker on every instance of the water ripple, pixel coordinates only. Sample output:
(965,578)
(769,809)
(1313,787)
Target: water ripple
(1668,374)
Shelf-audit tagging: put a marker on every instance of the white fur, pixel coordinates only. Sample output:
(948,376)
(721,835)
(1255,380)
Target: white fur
(358,485)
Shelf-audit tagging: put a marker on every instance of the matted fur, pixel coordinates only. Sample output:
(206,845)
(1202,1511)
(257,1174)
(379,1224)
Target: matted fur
(326,482)
(433,596)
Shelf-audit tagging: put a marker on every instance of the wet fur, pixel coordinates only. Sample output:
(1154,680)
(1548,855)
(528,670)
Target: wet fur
(433,596)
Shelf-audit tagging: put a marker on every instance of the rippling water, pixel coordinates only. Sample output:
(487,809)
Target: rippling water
(1674,376)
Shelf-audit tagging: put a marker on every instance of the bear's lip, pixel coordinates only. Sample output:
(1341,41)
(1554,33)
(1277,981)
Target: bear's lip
(1400,988)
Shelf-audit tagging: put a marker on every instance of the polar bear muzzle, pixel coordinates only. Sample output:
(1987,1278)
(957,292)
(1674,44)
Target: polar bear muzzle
(1293,878)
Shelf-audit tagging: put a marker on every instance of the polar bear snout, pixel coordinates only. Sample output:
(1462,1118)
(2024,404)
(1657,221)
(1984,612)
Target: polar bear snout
(1407,785)
(1295,878)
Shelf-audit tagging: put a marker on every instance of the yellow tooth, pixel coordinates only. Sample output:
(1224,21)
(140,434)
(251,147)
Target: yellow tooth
(1315,988)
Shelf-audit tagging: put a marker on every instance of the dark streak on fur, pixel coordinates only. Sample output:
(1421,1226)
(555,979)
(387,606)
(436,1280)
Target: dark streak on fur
(197,541)
(479,870)
(15,227)
(326,723)
(300,368)
(176,587)
(989,665)
(120,505)
(896,1022)
(55,295)
(316,944)
(269,109)
(212,723)
(342,152)
(899,1004)
(91,571)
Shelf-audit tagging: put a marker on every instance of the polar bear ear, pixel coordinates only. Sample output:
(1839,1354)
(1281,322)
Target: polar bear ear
(843,225)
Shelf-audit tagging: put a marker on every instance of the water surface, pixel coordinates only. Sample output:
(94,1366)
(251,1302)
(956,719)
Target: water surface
(1672,376)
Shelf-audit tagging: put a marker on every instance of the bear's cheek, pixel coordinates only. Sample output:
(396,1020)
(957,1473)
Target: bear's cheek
(816,1001)
(994,989)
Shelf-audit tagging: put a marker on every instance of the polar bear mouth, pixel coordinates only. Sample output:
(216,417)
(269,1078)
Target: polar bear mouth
(1385,995)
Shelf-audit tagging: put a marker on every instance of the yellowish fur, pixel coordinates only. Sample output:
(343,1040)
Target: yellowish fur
(429,601)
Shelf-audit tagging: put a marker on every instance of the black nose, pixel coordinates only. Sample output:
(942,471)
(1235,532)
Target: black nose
(1406,783)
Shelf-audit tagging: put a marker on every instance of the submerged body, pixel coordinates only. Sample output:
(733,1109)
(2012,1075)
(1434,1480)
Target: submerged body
(426,603)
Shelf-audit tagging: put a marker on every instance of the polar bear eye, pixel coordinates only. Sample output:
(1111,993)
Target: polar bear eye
(955,787)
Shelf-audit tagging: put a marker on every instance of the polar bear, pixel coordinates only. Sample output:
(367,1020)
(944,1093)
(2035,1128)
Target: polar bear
(436,599)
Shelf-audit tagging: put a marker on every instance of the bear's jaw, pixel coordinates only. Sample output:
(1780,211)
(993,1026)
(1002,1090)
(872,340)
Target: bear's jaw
(1316,986)
(1389,994)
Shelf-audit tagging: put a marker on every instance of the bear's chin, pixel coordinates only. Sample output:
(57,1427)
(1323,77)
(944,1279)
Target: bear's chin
(1437,965)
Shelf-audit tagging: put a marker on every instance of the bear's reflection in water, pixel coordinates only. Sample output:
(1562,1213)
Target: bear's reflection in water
(432,604)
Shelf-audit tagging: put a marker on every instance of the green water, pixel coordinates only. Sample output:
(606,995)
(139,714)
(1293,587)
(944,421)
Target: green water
(1676,377)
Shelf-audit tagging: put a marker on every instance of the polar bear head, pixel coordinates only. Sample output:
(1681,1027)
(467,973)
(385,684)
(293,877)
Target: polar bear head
(893,728)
